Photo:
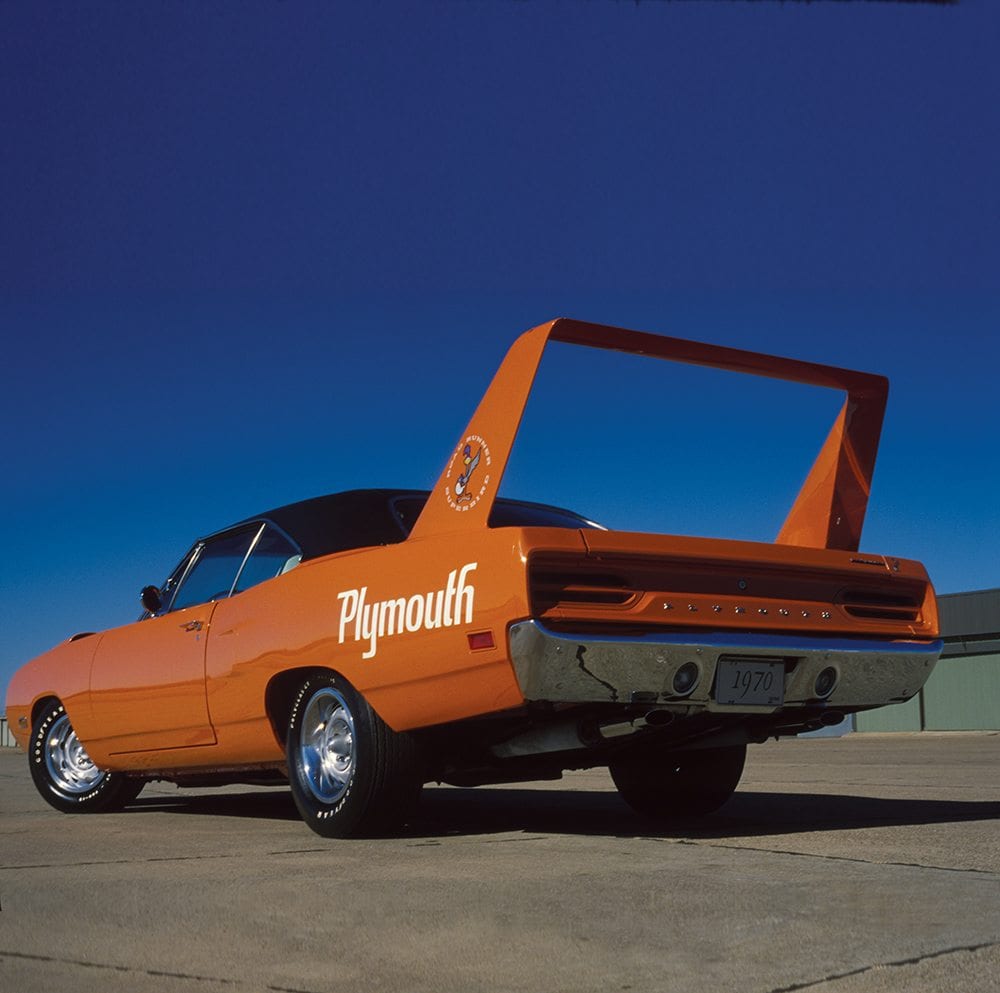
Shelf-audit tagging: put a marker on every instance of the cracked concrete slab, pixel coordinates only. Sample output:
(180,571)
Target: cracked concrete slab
(969,970)
(851,866)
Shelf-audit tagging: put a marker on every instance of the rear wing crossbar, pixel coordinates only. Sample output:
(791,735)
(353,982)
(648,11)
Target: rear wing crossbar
(828,512)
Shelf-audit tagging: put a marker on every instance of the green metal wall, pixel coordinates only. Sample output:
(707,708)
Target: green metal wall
(963,694)
(898,717)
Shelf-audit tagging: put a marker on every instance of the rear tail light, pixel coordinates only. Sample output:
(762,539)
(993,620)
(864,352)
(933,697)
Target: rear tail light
(874,604)
(550,588)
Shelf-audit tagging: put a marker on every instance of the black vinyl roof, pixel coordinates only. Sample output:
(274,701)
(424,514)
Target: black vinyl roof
(363,518)
(339,521)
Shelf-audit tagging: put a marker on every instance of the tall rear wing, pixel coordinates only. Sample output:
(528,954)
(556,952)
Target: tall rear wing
(828,512)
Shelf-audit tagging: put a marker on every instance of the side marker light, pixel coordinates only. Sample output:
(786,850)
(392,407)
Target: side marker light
(480,640)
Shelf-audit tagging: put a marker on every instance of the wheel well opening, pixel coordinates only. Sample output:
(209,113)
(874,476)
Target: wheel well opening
(41,704)
(280,694)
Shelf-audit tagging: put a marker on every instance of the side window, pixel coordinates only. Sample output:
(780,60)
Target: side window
(271,556)
(171,583)
(218,562)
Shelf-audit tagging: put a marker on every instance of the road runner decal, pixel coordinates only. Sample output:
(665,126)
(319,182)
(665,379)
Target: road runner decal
(471,463)
(443,608)
(468,473)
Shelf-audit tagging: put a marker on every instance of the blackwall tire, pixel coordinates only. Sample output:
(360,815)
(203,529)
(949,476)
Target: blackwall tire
(64,774)
(350,773)
(666,785)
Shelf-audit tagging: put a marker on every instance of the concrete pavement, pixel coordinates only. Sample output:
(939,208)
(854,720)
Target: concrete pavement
(856,865)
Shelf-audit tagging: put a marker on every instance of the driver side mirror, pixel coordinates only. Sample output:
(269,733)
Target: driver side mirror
(152,599)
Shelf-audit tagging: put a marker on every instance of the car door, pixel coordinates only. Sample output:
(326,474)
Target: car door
(147,684)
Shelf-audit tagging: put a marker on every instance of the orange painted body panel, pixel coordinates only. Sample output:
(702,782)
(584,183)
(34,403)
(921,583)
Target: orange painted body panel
(188,690)
(64,672)
(707,574)
(414,679)
(147,685)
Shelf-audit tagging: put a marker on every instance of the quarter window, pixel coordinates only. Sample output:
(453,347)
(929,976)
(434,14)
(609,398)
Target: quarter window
(271,556)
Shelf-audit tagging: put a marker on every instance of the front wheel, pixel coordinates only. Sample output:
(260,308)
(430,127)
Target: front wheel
(65,775)
(350,773)
(663,784)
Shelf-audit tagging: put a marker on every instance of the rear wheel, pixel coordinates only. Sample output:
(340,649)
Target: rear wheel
(65,775)
(350,773)
(664,785)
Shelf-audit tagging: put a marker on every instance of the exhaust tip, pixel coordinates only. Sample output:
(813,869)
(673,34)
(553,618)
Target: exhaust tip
(659,718)
(686,678)
(826,682)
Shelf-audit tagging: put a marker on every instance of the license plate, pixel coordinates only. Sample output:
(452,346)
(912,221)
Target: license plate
(749,682)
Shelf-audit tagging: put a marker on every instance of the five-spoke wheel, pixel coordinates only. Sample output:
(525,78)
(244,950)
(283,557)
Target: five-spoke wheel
(350,773)
(326,745)
(66,776)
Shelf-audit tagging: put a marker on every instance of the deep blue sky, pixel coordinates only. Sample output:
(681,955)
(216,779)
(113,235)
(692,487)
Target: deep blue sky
(254,252)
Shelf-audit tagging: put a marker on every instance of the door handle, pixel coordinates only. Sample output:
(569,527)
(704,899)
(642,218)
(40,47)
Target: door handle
(192,626)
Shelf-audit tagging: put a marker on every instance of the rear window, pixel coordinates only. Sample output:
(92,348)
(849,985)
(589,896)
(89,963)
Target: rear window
(505,514)
(512,513)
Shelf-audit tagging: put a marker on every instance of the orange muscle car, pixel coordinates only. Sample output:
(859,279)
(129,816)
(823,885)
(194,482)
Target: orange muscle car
(361,644)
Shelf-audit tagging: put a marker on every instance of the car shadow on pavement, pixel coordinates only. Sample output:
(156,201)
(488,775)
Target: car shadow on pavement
(745,815)
(486,810)
(273,804)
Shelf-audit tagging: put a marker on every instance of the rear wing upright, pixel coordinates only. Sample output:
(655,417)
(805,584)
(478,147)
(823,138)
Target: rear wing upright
(828,512)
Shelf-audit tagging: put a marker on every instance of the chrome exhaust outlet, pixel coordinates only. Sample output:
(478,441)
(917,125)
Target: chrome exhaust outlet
(830,717)
(571,736)
(653,719)
(660,718)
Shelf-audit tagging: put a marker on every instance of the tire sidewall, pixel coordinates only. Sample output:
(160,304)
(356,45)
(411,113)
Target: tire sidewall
(666,785)
(102,796)
(338,818)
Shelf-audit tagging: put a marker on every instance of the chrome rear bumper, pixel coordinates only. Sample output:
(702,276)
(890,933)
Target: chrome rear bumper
(565,668)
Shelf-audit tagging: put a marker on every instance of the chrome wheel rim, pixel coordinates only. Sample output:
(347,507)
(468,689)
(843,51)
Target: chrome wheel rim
(70,768)
(326,746)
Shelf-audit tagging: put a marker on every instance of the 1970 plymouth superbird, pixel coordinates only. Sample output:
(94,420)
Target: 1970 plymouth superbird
(361,644)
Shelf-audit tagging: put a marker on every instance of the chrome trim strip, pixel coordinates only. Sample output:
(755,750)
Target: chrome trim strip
(784,644)
(253,545)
